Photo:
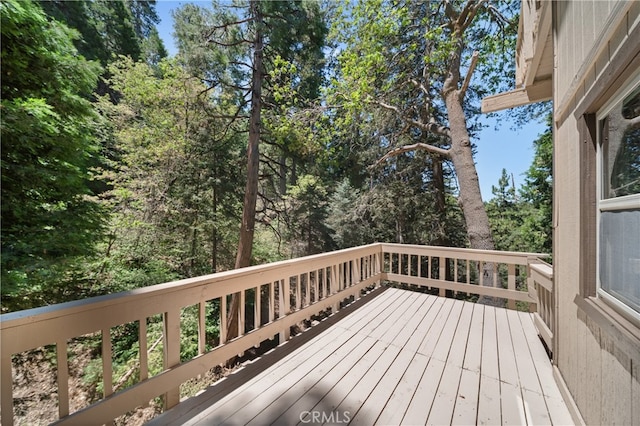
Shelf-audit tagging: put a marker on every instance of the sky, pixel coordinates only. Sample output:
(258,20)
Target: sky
(504,148)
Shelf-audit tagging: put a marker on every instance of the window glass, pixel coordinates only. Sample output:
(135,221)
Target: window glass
(620,256)
(619,202)
(621,148)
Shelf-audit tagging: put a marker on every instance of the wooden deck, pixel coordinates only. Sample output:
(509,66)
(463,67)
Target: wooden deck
(400,358)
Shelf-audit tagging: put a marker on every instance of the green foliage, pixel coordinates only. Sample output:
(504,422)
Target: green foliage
(48,146)
(108,28)
(307,216)
(524,223)
(173,196)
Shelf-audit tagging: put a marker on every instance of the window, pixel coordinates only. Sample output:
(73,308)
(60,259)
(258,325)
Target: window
(618,200)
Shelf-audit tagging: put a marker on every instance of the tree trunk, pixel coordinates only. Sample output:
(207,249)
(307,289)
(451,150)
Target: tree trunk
(470,197)
(441,204)
(245,245)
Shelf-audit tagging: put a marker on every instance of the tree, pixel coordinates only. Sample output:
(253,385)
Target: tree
(505,215)
(538,192)
(416,60)
(48,143)
(260,34)
(308,211)
(173,192)
(108,28)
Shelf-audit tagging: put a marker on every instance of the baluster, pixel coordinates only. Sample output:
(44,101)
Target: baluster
(442,274)
(307,287)
(107,363)
(257,308)
(316,277)
(241,316)
(223,319)
(142,344)
(63,378)
(6,384)
(284,307)
(511,284)
(172,352)
(202,328)
(242,313)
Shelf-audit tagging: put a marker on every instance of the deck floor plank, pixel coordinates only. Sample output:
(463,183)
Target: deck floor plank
(401,317)
(425,325)
(422,401)
(473,354)
(512,404)
(402,358)
(377,399)
(299,395)
(526,368)
(489,411)
(489,364)
(360,377)
(446,396)
(506,354)
(291,414)
(411,327)
(433,335)
(257,391)
(466,409)
(397,405)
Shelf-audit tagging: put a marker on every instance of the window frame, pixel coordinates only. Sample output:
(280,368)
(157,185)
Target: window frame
(627,202)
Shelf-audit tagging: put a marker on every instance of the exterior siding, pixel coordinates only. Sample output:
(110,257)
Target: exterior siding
(601,377)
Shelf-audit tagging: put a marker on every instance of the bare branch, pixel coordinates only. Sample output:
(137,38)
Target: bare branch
(413,147)
(421,87)
(232,44)
(229,24)
(467,78)
(432,126)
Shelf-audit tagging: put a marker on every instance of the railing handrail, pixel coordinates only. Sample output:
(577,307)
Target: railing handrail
(17,318)
(465,253)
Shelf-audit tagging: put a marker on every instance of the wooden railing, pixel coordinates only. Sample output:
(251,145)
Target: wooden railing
(541,281)
(294,289)
(495,274)
(281,294)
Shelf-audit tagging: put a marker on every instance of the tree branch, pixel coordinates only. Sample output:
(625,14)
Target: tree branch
(467,78)
(413,147)
(432,126)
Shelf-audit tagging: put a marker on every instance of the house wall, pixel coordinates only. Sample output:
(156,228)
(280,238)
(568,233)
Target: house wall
(596,46)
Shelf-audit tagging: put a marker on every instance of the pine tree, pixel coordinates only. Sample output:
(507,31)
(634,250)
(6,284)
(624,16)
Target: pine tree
(48,145)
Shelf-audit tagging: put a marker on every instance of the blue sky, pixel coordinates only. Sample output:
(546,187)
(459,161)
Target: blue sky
(496,149)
